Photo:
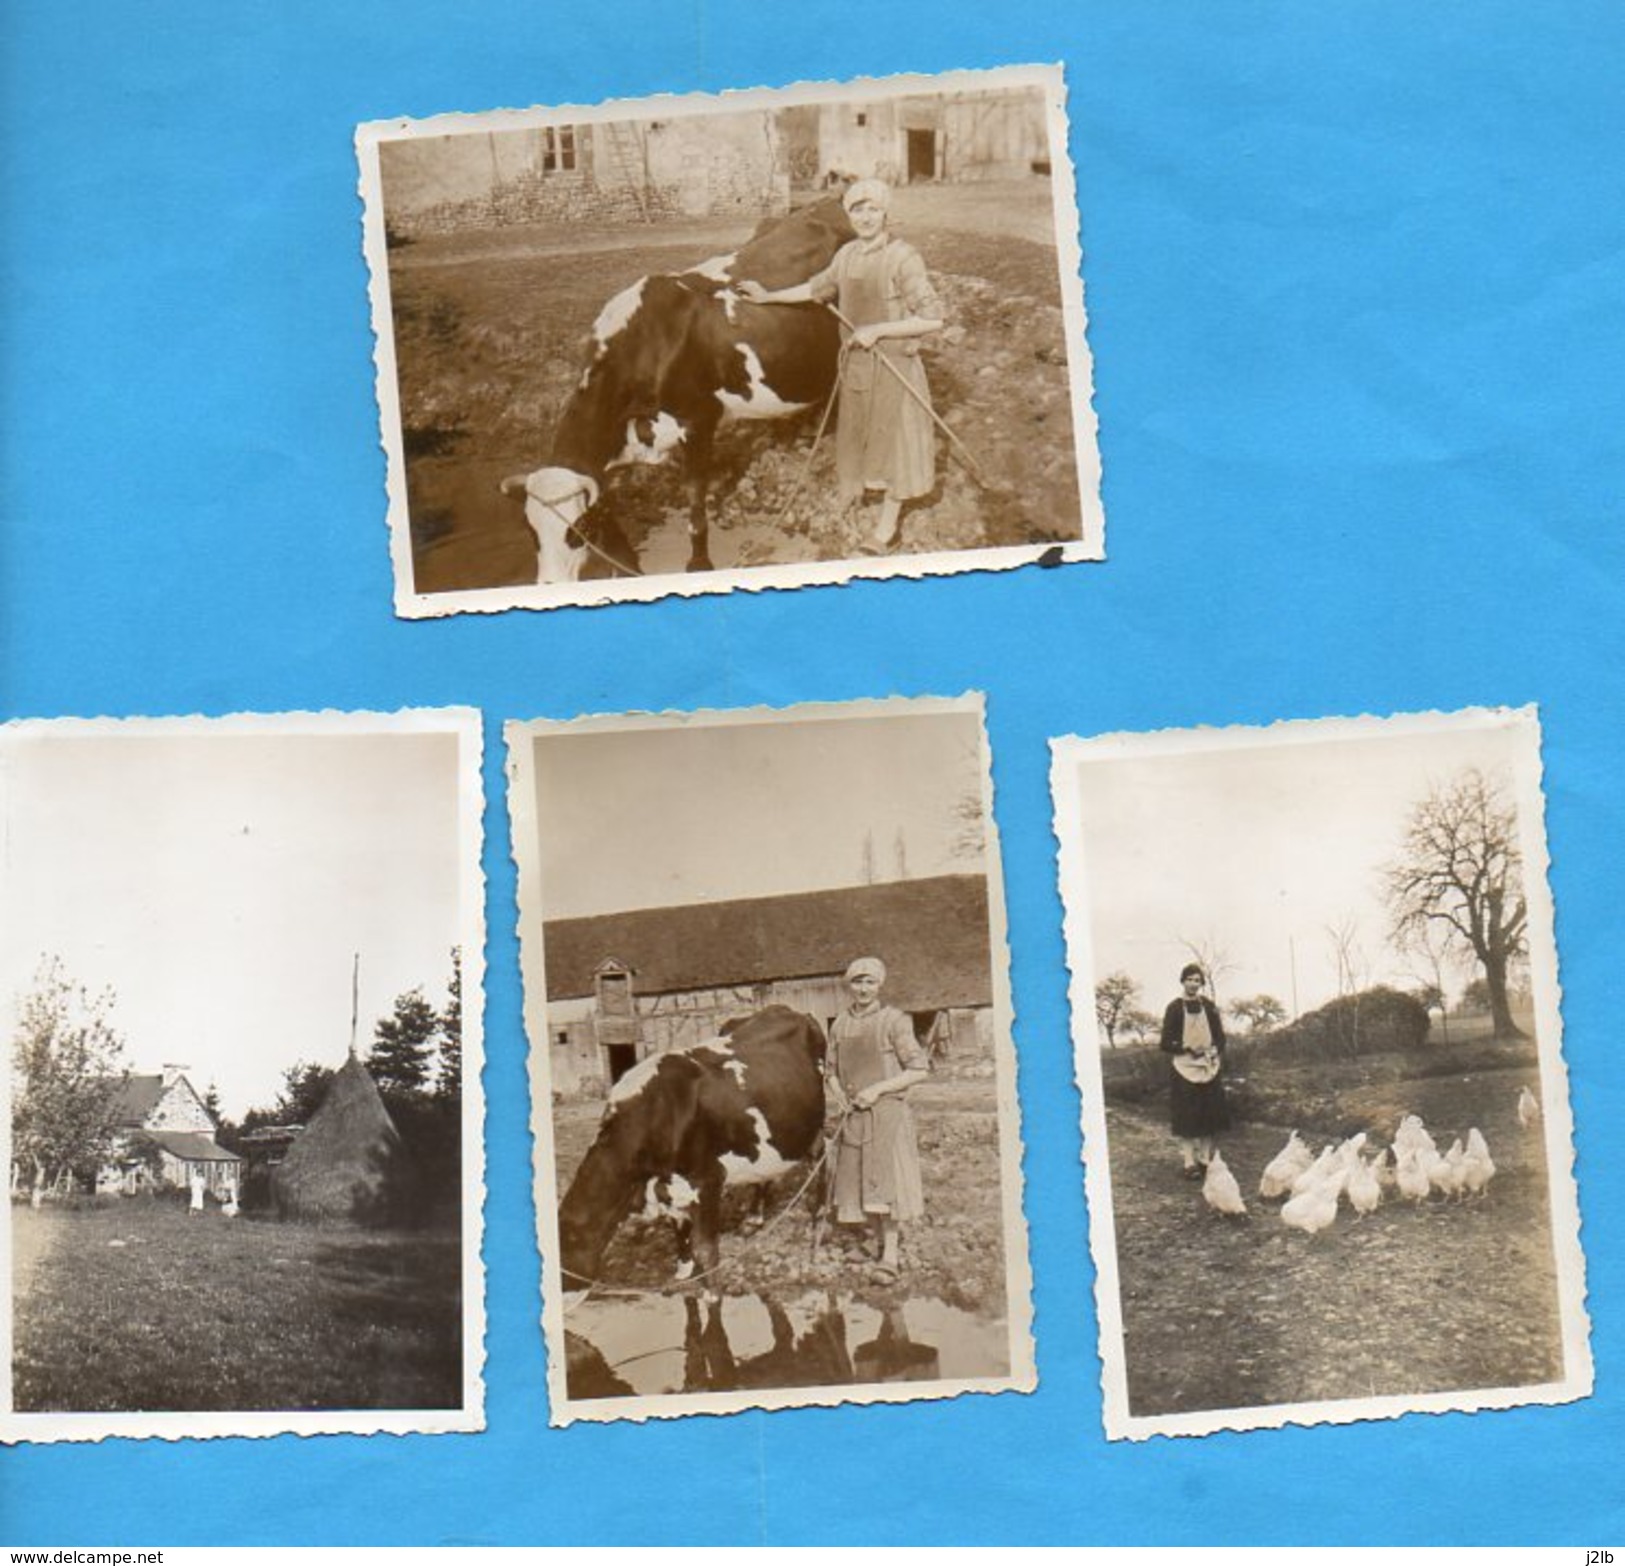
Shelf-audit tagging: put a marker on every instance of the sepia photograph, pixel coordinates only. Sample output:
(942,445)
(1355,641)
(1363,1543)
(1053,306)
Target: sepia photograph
(1329,1154)
(764,339)
(241,961)
(773,1079)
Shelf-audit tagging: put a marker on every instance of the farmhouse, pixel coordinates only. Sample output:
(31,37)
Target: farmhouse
(624,986)
(608,171)
(163,1132)
(741,164)
(956,137)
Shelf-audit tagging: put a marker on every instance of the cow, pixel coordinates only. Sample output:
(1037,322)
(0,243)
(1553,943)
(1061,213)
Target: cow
(672,356)
(735,1110)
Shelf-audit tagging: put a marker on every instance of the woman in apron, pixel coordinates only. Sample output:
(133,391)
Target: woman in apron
(1193,1038)
(875,1060)
(885,442)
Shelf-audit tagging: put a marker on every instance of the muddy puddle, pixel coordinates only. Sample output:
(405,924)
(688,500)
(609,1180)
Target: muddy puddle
(657,1344)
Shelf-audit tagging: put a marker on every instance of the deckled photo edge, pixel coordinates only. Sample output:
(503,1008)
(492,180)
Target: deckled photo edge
(1089,546)
(47,1427)
(521,738)
(1069,754)
(386,371)
(1023,1372)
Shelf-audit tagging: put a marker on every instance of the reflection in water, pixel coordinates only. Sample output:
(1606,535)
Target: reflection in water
(658,1344)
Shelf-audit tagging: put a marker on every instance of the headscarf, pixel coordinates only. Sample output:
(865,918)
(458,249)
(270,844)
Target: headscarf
(875,190)
(872,966)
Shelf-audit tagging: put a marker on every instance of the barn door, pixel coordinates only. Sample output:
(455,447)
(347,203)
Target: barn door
(922,155)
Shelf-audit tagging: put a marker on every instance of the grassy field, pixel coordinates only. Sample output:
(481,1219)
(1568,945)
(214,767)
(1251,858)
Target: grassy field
(1230,1313)
(490,335)
(955,1253)
(136,1305)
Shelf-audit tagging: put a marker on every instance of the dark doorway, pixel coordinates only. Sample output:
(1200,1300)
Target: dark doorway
(622,1058)
(922,155)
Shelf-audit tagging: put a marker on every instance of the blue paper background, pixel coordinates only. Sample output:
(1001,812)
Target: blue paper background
(1355,287)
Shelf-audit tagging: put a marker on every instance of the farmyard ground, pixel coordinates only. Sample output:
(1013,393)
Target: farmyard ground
(136,1305)
(1233,1313)
(491,330)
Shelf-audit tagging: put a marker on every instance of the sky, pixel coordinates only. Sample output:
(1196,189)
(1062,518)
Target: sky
(660,817)
(1260,850)
(220,884)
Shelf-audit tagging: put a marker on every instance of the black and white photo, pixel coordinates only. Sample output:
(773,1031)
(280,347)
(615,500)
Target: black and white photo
(768,338)
(766,991)
(241,965)
(1315,1005)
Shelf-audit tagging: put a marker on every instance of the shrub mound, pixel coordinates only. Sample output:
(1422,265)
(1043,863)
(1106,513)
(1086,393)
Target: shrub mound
(1370,1022)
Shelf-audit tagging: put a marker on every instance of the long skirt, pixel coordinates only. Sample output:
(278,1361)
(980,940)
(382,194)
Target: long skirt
(1197,1108)
(877,1166)
(885,439)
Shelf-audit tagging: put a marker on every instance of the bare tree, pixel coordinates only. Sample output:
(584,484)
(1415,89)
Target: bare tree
(1425,950)
(1115,996)
(1460,873)
(1141,1026)
(1348,954)
(1213,957)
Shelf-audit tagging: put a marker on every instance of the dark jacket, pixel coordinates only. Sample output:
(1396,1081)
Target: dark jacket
(1173,1025)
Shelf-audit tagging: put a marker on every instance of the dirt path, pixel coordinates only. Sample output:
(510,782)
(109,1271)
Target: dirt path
(1231,1313)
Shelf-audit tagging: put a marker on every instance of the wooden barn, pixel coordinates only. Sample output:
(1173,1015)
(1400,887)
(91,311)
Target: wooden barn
(624,986)
(163,1115)
(956,137)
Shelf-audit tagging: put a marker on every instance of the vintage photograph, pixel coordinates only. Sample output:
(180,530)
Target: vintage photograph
(241,964)
(766,339)
(767,997)
(1327,1134)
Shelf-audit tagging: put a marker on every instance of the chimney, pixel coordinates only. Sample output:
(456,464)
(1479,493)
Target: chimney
(172,1072)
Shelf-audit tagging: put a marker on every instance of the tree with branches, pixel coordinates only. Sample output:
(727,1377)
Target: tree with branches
(1459,872)
(1115,996)
(1213,957)
(399,1061)
(1260,1013)
(448,1081)
(67,1064)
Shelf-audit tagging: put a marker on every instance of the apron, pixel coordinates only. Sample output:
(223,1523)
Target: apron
(877,1164)
(884,438)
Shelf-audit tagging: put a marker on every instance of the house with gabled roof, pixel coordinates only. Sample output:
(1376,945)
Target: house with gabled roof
(623,986)
(163,1132)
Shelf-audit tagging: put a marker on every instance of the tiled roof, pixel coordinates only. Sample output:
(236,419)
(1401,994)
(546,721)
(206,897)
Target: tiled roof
(932,935)
(194,1145)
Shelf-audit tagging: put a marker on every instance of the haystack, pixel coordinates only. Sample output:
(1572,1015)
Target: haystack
(347,1163)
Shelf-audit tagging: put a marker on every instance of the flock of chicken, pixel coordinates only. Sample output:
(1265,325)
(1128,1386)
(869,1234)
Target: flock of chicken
(1312,1189)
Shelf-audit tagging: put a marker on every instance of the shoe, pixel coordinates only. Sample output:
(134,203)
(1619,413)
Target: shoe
(1193,1172)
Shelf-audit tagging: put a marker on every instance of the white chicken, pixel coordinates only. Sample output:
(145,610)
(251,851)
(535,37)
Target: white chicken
(1445,1174)
(1477,1167)
(1284,1168)
(1412,1137)
(1365,1191)
(1316,1172)
(1315,1207)
(1220,1189)
(1411,1177)
(1528,1108)
(1348,1152)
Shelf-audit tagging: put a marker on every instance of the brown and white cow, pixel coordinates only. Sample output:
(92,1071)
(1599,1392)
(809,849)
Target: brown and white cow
(736,1110)
(672,356)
